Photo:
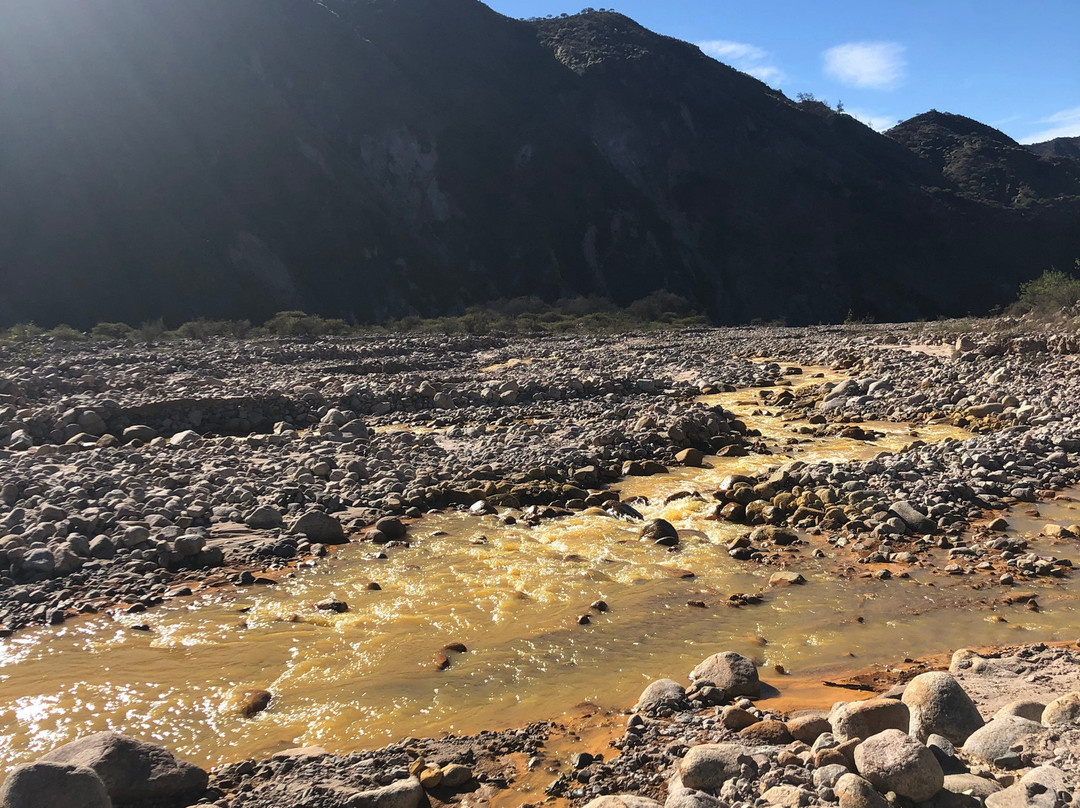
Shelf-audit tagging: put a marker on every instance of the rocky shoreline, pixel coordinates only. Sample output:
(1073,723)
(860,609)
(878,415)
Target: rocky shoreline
(1000,728)
(132,475)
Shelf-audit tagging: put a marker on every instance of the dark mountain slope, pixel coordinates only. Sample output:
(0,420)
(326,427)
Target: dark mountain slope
(986,163)
(1058,147)
(366,158)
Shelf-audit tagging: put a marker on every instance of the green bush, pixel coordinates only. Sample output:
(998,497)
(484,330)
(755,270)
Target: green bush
(111,331)
(65,333)
(23,331)
(1050,292)
(150,331)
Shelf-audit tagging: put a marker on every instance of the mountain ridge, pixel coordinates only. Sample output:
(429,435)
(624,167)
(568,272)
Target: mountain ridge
(389,157)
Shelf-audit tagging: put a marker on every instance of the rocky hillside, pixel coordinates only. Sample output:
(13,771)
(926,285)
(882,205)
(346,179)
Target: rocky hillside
(986,164)
(1058,147)
(378,158)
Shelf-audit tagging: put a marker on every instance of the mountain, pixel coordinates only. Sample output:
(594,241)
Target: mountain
(984,163)
(1058,147)
(374,158)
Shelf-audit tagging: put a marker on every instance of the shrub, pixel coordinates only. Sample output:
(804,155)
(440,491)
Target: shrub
(150,331)
(110,331)
(1050,292)
(65,333)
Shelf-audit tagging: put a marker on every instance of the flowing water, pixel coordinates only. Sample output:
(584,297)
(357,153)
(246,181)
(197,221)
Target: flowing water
(512,595)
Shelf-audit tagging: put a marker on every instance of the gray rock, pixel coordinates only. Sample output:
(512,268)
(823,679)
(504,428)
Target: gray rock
(39,561)
(939,705)
(265,517)
(456,774)
(624,801)
(787,796)
(134,536)
(320,527)
(140,432)
(731,672)
(102,547)
(828,776)
(190,544)
(708,766)
(407,793)
(911,516)
(53,785)
(686,798)
(807,728)
(861,719)
(661,692)
(971,784)
(894,761)
(993,742)
(134,771)
(855,792)
(185,438)
(1064,710)
(1023,708)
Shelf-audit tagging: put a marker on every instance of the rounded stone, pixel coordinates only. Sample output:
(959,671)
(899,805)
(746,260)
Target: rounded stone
(56,785)
(894,761)
(939,705)
(731,672)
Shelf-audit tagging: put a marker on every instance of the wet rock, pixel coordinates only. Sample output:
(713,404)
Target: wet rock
(660,531)
(783,579)
(391,527)
(53,785)
(916,520)
(939,705)
(894,761)
(731,672)
(134,771)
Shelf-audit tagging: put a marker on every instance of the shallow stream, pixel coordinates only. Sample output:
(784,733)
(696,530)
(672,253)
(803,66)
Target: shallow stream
(512,596)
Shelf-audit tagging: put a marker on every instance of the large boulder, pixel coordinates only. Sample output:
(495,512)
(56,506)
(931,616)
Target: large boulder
(264,517)
(894,761)
(992,743)
(708,766)
(939,705)
(861,719)
(319,526)
(134,771)
(53,785)
(1039,788)
(733,673)
(662,693)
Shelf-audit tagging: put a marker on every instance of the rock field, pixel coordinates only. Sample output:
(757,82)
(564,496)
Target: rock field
(134,474)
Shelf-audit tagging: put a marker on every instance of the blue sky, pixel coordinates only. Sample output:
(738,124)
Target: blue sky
(1013,64)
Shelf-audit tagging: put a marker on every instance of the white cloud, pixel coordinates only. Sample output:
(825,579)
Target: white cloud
(878,123)
(745,57)
(868,65)
(1062,124)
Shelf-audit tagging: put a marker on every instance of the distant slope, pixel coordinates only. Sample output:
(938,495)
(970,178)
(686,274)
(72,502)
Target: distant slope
(379,158)
(1058,147)
(986,163)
